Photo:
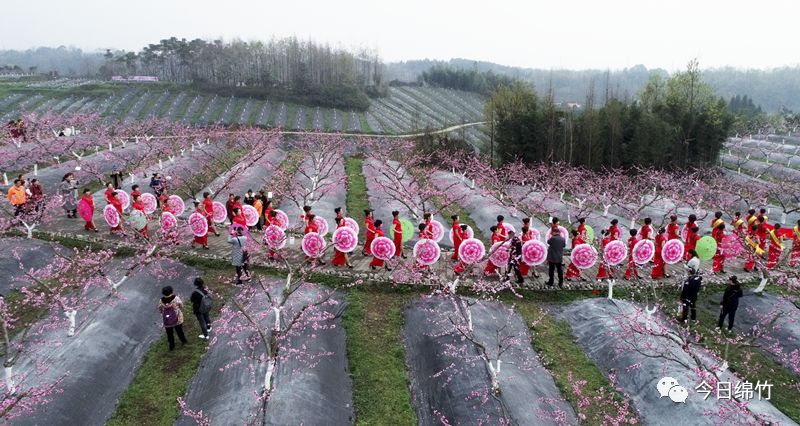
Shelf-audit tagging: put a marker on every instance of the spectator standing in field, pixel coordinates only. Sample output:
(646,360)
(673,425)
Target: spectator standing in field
(171,308)
(201,306)
(689,292)
(67,190)
(37,195)
(239,255)
(157,185)
(555,256)
(17,196)
(730,302)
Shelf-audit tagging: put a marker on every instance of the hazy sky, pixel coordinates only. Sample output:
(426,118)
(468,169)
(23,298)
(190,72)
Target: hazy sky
(540,34)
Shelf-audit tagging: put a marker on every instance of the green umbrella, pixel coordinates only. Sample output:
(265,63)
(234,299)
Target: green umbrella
(706,248)
(407,227)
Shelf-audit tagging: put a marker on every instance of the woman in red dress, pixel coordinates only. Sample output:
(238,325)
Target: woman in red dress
(397,229)
(114,200)
(496,238)
(456,229)
(461,266)
(139,205)
(340,258)
(311,226)
(718,262)
(238,217)
(692,237)
(573,271)
(794,260)
(369,223)
(377,263)
(659,267)
(203,241)
(208,212)
(775,246)
(604,271)
(632,270)
(87,198)
(673,229)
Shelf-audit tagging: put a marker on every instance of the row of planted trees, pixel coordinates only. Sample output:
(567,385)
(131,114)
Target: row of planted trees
(675,123)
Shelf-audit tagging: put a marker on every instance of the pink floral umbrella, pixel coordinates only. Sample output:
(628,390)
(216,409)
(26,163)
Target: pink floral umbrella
(351,223)
(85,210)
(561,230)
(198,224)
(149,202)
(282,219)
(274,237)
(471,251)
(219,212)
(345,239)
(123,198)
(534,252)
(427,252)
(322,225)
(499,254)
(382,248)
(250,215)
(313,244)
(672,251)
(584,256)
(111,215)
(176,204)
(510,228)
(643,252)
(535,235)
(615,253)
(437,229)
(168,221)
(470,233)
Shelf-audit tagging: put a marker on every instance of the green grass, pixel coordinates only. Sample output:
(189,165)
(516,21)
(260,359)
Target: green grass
(204,101)
(254,112)
(147,108)
(128,106)
(374,323)
(291,117)
(310,113)
(753,364)
(167,104)
(219,108)
(238,106)
(561,356)
(326,118)
(183,107)
(152,397)
(273,113)
(345,120)
(364,124)
(356,201)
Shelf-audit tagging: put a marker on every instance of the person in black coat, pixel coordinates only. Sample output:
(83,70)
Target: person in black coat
(691,287)
(515,256)
(197,300)
(730,302)
(555,255)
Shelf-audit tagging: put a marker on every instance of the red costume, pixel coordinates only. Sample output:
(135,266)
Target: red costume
(109,196)
(370,224)
(718,262)
(136,193)
(690,244)
(240,219)
(738,226)
(203,241)
(456,239)
(427,234)
(502,229)
(794,260)
(614,232)
(165,207)
(754,249)
(524,268)
(572,270)
(490,267)
(208,212)
(673,231)
(377,263)
(658,262)
(644,232)
(139,205)
(338,256)
(632,270)
(775,249)
(117,205)
(582,232)
(604,271)
(89,226)
(397,228)
(460,266)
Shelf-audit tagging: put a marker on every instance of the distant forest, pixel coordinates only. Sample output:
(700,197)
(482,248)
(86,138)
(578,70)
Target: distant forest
(772,90)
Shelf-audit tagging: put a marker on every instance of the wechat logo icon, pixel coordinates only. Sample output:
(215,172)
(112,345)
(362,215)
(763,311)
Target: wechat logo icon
(668,386)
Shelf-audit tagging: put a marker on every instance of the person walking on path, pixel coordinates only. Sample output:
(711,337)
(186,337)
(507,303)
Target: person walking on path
(691,287)
(89,202)
(37,196)
(555,256)
(730,302)
(171,308)
(515,257)
(201,306)
(17,197)
(239,255)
